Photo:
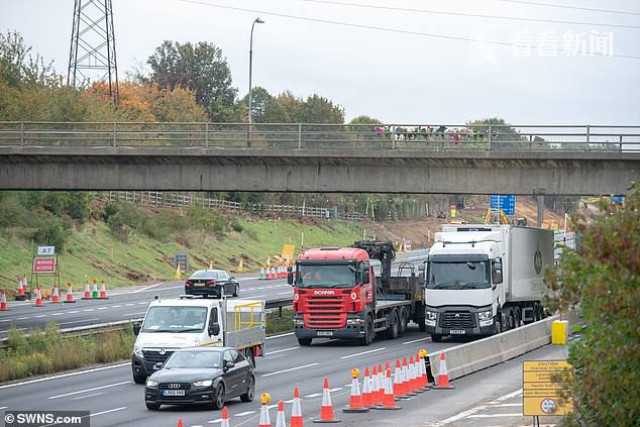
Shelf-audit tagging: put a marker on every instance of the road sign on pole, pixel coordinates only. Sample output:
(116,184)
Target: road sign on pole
(543,391)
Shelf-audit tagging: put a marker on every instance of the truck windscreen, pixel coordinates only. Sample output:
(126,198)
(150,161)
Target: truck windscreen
(175,319)
(459,275)
(326,276)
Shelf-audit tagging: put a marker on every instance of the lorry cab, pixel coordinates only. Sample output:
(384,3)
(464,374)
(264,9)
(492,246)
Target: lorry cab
(171,324)
(470,262)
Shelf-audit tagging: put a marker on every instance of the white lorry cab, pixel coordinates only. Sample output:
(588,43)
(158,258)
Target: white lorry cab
(171,324)
(483,279)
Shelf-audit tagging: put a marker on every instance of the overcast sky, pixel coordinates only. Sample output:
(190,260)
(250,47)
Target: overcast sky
(393,76)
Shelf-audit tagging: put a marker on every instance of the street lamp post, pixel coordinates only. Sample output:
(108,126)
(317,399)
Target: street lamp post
(255,21)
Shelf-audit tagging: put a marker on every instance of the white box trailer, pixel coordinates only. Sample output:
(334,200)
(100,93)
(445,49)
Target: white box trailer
(482,279)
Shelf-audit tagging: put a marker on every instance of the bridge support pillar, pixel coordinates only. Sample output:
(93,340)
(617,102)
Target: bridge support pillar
(540,212)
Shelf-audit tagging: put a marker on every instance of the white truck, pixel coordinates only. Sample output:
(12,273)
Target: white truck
(189,321)
(484,279)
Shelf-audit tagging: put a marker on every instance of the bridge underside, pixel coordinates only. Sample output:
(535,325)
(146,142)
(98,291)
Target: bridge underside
(206,170)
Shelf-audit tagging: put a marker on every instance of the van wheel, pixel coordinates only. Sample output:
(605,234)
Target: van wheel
(394,328)
(305,342)
(218,397)
(138,378)
(403,322)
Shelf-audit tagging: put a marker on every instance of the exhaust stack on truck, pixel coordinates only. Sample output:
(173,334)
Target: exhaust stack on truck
(484,279)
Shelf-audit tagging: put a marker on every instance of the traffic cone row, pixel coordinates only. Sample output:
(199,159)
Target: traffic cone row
(69,296)
(39,302)
(22,288)
(87,292)
(55,295)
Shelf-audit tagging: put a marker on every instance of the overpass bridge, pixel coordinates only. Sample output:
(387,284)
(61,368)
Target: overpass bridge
(458,159)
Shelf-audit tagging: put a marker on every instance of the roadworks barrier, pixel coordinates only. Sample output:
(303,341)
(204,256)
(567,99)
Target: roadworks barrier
(467,358)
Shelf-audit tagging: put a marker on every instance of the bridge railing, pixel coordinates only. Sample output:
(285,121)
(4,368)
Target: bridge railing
(318,137)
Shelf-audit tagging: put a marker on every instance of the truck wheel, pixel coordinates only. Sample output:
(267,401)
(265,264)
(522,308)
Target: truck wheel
(305,342)
(138,378)
(369,332)
(235,290)
(394,327)
(403,322)
(436,338)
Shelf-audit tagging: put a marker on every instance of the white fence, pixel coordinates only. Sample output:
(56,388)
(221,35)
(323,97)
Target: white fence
(181,200)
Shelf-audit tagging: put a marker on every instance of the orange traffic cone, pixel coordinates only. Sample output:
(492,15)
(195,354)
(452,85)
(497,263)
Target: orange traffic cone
(443,375)
(39,302)
(296,410)
(397,380)
(411,368)
(180,424)
(367,398)
(326,410)
(265,420)
(87,292)
(280,417)
(103,291)
(224,415)
(355,399)
(55,295)
(388,400)
(69,296)
(94,290)
(381,386)
(423,382)
(3,302)
(21,289)
(375,389)
(405,378)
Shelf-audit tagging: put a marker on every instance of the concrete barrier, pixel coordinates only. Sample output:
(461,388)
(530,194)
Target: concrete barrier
(473,356)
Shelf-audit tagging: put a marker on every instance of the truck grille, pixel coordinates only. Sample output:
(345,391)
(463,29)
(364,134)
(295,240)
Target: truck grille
(153,356)
(457,320)
(325,312)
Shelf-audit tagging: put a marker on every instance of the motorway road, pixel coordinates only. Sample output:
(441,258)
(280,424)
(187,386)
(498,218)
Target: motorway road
(114,400)
(123,304)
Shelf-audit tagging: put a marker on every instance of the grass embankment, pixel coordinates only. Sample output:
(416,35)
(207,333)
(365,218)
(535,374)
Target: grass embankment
(46,351)
(92,250)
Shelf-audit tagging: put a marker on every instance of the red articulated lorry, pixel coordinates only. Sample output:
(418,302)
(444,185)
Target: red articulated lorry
(337,294)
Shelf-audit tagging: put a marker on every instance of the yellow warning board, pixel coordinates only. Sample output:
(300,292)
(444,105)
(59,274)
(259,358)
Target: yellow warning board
(287,252)
(543,392)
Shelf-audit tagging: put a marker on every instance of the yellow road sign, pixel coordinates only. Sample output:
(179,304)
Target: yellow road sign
(287,252)
(543,392)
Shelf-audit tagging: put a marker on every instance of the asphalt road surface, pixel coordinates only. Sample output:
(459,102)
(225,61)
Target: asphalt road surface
(123,304)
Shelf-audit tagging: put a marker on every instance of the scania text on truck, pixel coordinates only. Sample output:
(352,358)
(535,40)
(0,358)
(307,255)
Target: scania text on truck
(337,294)
(483,279)
(170,324)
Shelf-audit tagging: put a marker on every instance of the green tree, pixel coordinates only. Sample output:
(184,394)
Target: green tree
(17,64)
(365,120)
(318,109)
(602,279)
(201,68)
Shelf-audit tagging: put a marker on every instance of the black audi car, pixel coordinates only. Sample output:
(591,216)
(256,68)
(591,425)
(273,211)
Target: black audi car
(212,283)
(202,376)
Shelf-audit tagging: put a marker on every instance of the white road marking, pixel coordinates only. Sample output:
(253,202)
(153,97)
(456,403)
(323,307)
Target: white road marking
(3,407)
(22,318)
(57,314)
(129,305)
(74,312)
(219,420)
(116,306)
(506,405)
(134,314)
(142,303)
(102,308)
(312,395)
(272,337)
(494,415)
(295,368)
(78,321)
(40,316)
(8,320)
(87,310)
(245,413)
(509,395)
(87,396)
(472,411)
(418,340)
(58,396)
(349,356)
(283,293)
(70,374)
(108,411)
(333,390)
(282,350)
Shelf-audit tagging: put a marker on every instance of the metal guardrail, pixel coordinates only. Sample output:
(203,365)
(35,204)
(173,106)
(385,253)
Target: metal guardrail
(318,137)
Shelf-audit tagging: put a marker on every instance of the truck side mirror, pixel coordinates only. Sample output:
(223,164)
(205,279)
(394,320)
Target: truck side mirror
(365,276)
(214,329)
(136,328)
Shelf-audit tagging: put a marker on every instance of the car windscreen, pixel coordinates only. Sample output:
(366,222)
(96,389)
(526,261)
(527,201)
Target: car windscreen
(175,319)
(203,274)
(326,275)
(459,275)
(194,359)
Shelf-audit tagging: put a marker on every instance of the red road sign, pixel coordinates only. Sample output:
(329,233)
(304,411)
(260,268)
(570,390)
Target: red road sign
(44,265)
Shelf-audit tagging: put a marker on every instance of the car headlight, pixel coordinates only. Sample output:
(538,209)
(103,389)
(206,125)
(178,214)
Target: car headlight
(431,315)
(485,315)
(152,383)
(203,383)
(137,350)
